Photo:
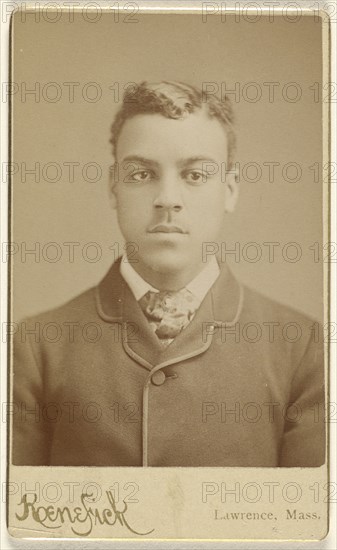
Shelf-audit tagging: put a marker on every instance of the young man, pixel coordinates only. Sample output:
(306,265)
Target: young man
(168,381)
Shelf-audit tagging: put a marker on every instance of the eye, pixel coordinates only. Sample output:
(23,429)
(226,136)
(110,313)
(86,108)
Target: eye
(140,176)
(195,177)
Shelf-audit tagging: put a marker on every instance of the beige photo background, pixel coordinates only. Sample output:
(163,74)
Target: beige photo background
(166,47)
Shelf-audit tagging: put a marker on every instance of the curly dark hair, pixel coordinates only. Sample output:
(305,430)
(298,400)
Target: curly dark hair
(174,100)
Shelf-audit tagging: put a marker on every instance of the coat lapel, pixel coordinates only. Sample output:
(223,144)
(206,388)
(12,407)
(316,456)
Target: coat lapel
(116,303)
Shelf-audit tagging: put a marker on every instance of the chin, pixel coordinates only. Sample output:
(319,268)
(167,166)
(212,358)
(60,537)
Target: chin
(166,261)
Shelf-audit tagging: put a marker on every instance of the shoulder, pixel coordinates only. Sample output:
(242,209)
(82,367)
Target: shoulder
(59,324)
(292,333)
(262,307)
(78,308)
(58,333)
(67,322)
(86,305)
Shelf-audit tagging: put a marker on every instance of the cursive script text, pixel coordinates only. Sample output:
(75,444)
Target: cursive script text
(82,518)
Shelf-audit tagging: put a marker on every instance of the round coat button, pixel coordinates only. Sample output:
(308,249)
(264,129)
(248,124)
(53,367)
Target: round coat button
(158,378)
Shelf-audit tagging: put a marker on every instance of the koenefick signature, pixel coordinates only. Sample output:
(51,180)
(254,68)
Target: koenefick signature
(53,517)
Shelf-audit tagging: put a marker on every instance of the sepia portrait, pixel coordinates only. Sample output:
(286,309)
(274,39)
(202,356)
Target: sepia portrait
(168,358)
(169,258)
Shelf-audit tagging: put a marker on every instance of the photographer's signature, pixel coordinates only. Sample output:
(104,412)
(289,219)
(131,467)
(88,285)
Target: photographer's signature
(82,518)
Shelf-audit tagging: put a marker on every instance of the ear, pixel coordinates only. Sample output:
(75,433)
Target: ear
(232,190)
(113,178)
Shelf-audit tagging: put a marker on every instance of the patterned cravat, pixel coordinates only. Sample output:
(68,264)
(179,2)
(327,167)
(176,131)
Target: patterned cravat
(168,312)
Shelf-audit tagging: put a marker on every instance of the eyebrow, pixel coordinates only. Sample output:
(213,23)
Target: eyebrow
(140,159)
(181,162)
(199,158)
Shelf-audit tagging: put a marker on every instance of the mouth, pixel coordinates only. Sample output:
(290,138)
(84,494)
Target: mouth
(165,228)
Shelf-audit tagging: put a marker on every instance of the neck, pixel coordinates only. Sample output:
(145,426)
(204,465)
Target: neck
(168,280)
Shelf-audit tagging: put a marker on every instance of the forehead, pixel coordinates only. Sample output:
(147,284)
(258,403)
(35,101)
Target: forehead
(164,139)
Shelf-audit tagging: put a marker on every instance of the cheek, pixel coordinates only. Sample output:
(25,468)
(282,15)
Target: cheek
(126,200)
(132,214)
(208,220)
(129,209)
(135,199)
(208,208)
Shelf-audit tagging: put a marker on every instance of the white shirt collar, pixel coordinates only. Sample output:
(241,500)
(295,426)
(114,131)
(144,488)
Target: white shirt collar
(199,286)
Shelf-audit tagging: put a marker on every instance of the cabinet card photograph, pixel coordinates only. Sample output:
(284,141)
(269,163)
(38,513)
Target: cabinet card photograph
(169,259)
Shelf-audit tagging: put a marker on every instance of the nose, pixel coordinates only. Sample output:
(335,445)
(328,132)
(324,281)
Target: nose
(168,197)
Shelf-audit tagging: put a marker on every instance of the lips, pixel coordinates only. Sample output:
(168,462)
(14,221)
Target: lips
(165,228)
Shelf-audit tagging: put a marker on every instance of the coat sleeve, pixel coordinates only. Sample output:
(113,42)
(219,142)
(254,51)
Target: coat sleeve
(30,430)
(304,437)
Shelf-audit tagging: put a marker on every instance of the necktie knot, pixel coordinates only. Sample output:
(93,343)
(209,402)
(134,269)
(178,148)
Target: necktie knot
(168,312)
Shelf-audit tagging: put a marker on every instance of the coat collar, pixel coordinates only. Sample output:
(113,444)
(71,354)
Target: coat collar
(116,303)
(226,296)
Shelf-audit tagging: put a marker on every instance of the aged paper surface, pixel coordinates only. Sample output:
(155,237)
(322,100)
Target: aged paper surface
(154,153)
(166,503)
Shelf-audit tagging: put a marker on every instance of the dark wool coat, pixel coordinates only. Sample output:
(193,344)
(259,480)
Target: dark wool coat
(242,385)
